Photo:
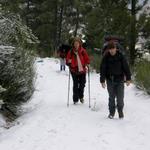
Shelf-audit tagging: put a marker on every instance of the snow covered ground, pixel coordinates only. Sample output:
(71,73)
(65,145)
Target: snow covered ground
(48,124)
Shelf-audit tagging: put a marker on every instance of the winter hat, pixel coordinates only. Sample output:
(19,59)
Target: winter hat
(77,39)
(111,45)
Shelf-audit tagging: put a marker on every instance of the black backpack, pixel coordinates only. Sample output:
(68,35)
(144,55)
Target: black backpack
(63,50)
(117,40)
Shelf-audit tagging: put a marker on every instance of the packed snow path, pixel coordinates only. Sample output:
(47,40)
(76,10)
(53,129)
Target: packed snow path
(49,124)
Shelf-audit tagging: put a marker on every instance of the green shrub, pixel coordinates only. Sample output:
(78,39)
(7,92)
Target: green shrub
(16,62)
(142,75)
(95,59)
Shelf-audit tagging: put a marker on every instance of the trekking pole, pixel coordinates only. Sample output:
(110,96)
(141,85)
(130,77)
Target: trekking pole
(89,86)
(68,89)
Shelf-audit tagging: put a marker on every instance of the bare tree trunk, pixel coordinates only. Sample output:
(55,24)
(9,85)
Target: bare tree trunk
(133,32)
(28,10)
(60,23)
(55,41)
(77,23)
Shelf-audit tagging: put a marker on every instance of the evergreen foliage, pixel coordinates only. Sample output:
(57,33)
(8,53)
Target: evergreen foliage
(142,74)
(16,61)
(55,21)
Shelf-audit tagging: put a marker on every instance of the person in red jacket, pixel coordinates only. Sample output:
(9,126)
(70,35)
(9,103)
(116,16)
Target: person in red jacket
(77,59)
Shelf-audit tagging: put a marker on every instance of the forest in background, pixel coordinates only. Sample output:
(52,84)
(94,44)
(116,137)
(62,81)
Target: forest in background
(56,21)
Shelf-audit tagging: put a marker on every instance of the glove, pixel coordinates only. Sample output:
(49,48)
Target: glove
(69,61)
(128,82)
(103,85)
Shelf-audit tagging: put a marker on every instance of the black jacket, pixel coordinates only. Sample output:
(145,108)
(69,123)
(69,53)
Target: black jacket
(114,68)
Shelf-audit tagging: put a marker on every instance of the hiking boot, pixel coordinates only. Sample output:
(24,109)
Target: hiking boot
(75,103)
(82,100)
(110,116)
(121,115)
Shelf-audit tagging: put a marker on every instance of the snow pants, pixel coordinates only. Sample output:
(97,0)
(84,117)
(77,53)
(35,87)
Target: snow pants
(115,91)
(79,81)
(62,64)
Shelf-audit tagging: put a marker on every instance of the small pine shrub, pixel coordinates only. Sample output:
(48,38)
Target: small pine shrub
(142,75)
(16,61)
(95,59)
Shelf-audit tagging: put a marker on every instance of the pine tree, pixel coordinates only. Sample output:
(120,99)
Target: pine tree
(135,8)
(16,54)
(106,18)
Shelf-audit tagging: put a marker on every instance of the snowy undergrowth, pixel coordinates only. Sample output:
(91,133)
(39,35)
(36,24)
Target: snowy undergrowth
(49,124)
(16,64)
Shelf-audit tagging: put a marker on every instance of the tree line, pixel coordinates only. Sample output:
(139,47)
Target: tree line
(55,21)
(29,26)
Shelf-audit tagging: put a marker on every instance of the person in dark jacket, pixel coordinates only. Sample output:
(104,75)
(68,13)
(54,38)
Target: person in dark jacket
(62,52)
(77,59)
(114,69)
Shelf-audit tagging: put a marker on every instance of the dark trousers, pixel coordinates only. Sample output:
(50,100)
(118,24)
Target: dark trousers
(62,67)
(115,91)
(62,64)
(79,81)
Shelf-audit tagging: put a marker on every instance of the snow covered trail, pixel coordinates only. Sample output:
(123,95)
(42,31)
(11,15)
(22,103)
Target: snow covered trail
(50,125)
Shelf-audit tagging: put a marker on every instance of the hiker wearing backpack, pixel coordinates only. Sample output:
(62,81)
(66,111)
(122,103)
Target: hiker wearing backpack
(62,52)
(119,42)
(113,68)
(77,59)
